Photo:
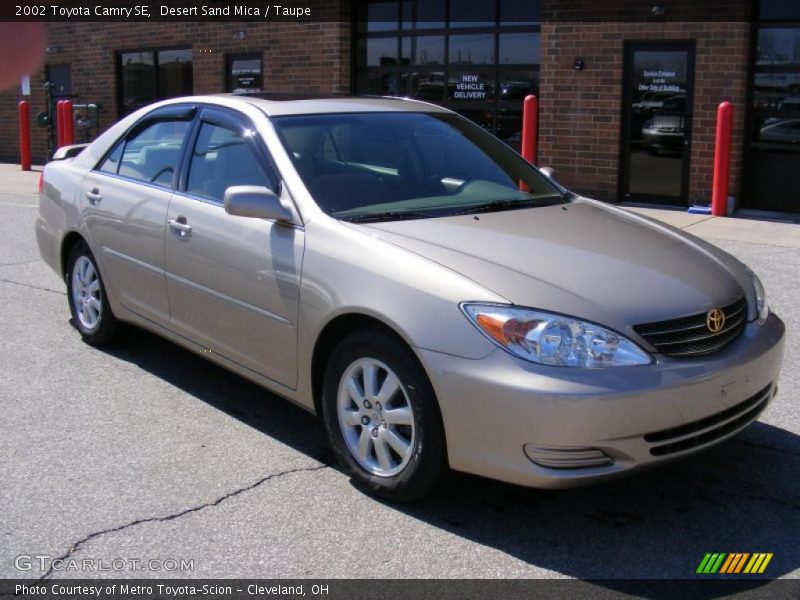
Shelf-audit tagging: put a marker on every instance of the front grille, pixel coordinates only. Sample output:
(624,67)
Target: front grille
(705,431)
(690,336)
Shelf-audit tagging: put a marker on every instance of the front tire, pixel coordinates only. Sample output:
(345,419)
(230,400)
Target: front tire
(86,294)
(382,418)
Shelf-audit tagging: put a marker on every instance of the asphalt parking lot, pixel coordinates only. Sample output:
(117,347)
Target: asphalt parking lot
(145,451)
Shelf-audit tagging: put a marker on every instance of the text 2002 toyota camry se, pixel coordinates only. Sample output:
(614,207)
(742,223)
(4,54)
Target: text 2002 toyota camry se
(391,266)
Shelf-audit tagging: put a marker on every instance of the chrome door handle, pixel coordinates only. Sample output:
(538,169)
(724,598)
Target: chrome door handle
(179,226)
(93,196)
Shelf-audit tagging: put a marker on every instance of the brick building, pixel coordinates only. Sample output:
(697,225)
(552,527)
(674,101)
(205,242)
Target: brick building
(628,88)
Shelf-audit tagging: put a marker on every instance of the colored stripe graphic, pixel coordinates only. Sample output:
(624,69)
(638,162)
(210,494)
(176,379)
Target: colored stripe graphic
(741,562)
(711,562)
(734,562)
(758,563)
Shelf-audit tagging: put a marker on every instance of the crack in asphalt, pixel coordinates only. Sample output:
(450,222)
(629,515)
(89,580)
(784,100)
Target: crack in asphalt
(76,546)
(23,262)
(33,287)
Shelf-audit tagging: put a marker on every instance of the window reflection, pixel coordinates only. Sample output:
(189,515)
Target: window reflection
(477,49)
(381,16)
(772,90)
(380,84)
(780,131)
(778,10)
(429,50)
(174,72)
(518,48)
(778,46)
(381,52)
(519,12)
(138,81)
(430,14)
(428,86)
(472,13)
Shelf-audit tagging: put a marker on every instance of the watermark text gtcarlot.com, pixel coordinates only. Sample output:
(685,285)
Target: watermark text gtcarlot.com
(44,563)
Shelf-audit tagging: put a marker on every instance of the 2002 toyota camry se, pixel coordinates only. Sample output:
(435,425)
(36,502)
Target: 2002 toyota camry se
(437,299)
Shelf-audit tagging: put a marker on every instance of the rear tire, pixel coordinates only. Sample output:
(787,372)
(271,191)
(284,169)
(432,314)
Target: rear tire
(382,418)
(86,294)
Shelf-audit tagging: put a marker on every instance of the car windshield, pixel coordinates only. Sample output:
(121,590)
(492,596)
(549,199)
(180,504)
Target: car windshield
(391,166)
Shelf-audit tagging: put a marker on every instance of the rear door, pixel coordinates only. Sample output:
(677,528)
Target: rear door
(125,201)
(233,282)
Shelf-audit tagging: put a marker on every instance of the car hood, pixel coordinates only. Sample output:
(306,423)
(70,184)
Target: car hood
(583,258)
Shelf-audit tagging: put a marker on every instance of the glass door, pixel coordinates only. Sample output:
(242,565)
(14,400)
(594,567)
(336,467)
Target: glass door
(657,117)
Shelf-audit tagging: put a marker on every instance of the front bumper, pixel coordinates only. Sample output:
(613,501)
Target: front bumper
(637,416)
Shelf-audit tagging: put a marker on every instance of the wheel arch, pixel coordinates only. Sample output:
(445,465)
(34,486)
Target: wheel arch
(334,331)
(71,239)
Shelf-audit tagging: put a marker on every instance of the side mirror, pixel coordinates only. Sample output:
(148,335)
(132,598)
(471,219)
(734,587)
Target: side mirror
(256,202)
(547,172)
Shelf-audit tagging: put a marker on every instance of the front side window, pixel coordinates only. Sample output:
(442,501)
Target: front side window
(152,154)
(384,166)
(222,158)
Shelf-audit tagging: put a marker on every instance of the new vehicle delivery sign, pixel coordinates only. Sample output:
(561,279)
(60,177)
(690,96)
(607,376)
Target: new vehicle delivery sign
(469,87)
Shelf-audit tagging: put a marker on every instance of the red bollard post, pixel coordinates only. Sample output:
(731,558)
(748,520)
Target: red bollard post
(69,123)
(59,123)
(24,136)
(530,127)
(722,160)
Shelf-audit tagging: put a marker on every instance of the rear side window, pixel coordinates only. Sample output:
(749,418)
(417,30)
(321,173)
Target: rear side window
(222,158)
(153,154)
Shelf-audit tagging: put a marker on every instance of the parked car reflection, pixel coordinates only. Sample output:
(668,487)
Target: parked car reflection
(650,103)
(665,132)
(783,131)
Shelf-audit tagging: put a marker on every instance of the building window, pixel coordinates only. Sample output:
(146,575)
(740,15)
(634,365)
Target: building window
(772,176)
(150,75)
(243,74)
(479,58)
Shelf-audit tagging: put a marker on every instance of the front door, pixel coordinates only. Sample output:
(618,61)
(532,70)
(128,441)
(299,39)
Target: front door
(657,118)
(125,201)
(233,282)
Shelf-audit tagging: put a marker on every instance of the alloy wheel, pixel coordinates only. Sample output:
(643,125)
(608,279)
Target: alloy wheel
(376,417)
(86,294)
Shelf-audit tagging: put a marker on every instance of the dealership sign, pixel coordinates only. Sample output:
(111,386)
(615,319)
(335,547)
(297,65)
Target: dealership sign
(469,87)
(659,81)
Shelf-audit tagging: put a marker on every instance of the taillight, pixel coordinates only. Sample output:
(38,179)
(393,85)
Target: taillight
(41,181)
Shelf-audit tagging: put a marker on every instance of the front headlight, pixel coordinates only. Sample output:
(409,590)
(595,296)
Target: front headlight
(552,339)
(761,298)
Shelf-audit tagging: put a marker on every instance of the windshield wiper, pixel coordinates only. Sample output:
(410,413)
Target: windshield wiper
(498,205)
(389,215)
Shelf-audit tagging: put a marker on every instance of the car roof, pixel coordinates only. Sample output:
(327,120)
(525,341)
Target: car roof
(274,105)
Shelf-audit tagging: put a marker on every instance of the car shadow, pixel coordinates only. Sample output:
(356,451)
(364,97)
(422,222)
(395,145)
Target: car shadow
(743,496)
